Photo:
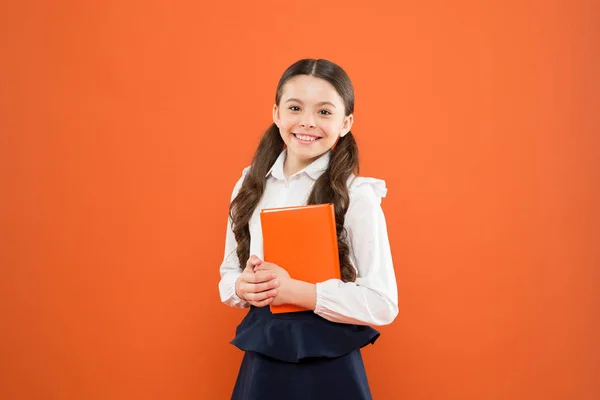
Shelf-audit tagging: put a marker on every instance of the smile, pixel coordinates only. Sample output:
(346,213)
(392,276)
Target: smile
(306,138)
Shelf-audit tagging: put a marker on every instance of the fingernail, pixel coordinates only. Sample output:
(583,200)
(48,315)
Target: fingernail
(276,283)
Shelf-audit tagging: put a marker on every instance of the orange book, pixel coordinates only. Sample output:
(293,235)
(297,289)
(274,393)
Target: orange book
(303,241)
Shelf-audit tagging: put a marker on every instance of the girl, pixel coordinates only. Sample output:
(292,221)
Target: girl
(308,156)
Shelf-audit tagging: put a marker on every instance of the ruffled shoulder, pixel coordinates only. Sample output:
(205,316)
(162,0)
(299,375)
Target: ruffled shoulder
(365,185)
(245,171)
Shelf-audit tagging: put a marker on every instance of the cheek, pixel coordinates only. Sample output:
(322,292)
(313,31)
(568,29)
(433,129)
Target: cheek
(288,123)
(332,128)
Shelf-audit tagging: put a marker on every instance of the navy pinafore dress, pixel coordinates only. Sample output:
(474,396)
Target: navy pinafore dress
(300,356)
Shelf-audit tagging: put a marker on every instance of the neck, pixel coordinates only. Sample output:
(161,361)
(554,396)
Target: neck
(293,164)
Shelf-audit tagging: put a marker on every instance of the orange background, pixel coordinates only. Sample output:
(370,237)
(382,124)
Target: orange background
(125,124)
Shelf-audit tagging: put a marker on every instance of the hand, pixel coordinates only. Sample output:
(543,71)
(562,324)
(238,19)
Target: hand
(257,288)
(282,276)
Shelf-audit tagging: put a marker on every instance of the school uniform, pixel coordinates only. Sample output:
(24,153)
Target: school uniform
(315,354)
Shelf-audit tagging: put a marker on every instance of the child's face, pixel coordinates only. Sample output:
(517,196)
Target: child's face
(310,117)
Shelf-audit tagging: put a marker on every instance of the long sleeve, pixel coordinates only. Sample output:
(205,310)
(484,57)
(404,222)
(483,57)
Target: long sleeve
(230,267)
(373,298)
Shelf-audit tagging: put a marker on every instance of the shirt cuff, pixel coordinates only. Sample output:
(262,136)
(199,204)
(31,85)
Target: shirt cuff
(228,295)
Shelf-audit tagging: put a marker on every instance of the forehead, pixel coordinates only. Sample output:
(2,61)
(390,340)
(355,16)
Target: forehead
(310,89)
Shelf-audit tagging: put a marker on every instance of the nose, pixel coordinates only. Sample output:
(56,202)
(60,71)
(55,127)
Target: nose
(308,121)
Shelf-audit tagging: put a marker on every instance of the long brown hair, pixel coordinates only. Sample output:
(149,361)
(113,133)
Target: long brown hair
(331,187)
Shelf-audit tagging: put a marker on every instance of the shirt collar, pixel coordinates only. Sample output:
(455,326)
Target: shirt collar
(314,169)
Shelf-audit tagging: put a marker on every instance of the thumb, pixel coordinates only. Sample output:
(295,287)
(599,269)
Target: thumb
(254,260)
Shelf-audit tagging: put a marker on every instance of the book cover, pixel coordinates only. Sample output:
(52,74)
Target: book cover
(303,241)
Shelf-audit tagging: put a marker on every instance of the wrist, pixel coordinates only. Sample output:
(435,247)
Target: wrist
(301,293)
(237,289)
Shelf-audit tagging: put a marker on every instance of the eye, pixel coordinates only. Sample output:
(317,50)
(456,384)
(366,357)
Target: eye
(294,108)
(326,112)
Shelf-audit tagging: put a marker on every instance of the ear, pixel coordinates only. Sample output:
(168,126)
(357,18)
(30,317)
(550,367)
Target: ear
(347,125)
(276,118)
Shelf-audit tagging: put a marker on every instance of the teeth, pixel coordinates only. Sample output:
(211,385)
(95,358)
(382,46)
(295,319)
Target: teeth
(307,138)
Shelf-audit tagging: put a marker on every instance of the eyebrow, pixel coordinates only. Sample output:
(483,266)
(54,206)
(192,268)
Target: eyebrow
(322,103)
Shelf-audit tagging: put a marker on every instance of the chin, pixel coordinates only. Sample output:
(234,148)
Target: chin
(309,154)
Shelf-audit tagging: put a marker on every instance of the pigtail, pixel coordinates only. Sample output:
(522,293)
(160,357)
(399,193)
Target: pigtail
(331,187)
(242,207)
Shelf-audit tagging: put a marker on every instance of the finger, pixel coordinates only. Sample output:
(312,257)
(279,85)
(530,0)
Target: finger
(264,264)
(264,276)
(246,275)
(261,295)
(251,289)
(262,287)
(263,303)
(249,270)
(259,277)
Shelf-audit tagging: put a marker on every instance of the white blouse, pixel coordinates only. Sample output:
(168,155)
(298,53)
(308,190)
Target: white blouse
(373,298)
